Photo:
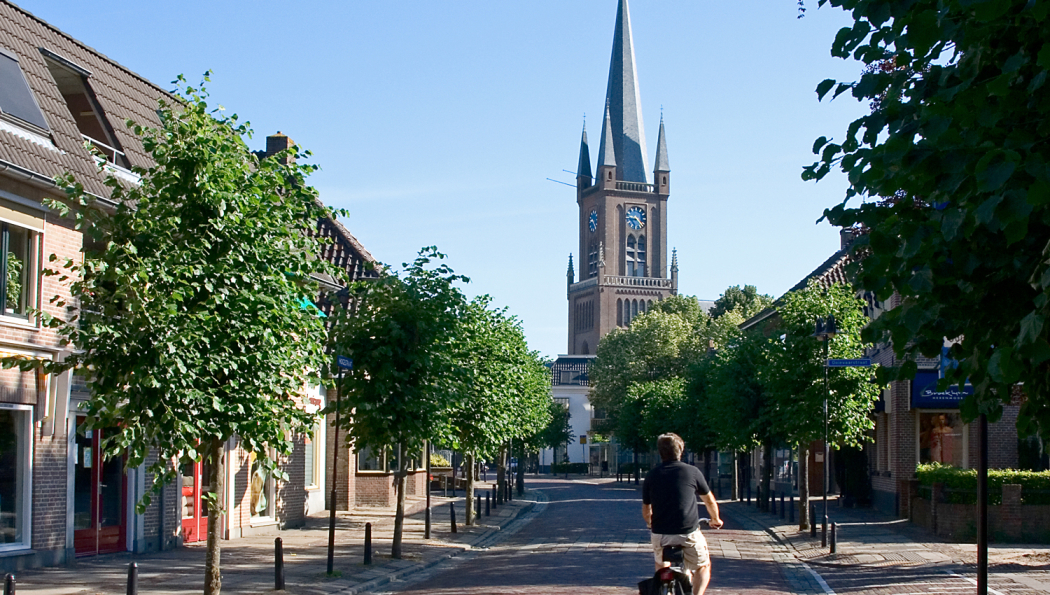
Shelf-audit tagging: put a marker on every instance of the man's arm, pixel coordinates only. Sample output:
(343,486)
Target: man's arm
(647,514)
(712,509)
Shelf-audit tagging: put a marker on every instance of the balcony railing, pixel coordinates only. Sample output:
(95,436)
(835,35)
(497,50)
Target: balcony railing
(636,187)
(654,282)
(110,152)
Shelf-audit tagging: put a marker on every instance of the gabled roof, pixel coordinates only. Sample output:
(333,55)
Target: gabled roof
(832,271)
(121,94)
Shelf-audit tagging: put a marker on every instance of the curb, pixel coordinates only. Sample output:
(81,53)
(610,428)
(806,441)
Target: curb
(485,540)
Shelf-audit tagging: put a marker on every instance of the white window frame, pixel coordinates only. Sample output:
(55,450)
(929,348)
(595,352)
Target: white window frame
(33,266)
(316,438)
(27,482)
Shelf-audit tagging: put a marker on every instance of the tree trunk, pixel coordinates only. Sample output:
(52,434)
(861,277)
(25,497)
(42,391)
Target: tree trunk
(767,474)
(212,571)
(399,516)
(521,469)
(501,472)
(736,475)
(470,468)
(803,487)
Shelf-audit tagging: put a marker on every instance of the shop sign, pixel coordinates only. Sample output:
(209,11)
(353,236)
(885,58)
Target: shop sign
(925,394)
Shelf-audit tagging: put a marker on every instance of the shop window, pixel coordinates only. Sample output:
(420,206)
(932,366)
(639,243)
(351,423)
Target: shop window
(15,436)
(369,459)
(91,121)
(312,460)
(262,489)
(941,436)
(16,99)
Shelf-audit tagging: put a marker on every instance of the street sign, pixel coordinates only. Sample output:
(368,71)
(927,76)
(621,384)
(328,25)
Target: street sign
(849,363)
(344,362)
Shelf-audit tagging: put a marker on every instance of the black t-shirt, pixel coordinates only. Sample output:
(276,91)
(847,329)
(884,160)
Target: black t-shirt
(671,489)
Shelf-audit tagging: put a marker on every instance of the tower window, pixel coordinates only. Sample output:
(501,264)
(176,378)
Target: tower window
(639,257)
(665,180)
(592,260)
(619,312)
(630,255)
(72,82)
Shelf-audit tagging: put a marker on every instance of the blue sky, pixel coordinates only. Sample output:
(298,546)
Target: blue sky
(439,122)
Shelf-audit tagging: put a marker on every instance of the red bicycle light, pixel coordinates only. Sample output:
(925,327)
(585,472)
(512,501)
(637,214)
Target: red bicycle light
(666,575)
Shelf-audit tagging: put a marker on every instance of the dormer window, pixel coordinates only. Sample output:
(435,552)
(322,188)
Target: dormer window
(72,82)
(16,99)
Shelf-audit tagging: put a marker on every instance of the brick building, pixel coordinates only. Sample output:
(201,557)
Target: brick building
(914,422)
(59,498)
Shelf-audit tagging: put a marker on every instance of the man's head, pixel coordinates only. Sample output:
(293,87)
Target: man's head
(670,447)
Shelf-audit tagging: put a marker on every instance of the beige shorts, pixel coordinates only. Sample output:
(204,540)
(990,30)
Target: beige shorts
(694,548)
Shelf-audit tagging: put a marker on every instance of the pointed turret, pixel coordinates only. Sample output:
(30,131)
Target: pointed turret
(607,153)
(662,170)
(674,271)
(583,169)
(625,103)
(570,274)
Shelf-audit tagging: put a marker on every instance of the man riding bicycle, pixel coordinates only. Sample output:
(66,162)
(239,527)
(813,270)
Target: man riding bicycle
(669,508)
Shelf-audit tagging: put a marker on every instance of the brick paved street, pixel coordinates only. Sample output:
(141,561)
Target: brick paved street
(589,538)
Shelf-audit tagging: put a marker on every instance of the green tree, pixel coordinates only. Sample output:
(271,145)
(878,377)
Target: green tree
(406,376)
(189,320)
(954,153)
(745,300)
(505,392)
(795,379)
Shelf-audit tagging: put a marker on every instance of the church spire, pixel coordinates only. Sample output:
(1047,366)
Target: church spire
(570,274)
(661,150)
(625,104)
(606,150)
(583,169)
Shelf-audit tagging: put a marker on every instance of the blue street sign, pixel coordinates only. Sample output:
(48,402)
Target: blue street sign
(344,362)
(849,363)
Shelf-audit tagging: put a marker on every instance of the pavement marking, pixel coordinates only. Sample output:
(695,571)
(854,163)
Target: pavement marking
(972,581)
(823,584)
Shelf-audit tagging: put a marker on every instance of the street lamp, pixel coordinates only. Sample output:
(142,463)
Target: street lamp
(825,332)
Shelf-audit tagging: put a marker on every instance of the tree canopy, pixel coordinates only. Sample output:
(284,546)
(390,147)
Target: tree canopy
(950,187)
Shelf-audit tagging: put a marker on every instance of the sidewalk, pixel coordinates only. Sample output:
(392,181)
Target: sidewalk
(868,538)
(248,563)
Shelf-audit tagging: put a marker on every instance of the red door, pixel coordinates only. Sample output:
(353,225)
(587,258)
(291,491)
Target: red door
(194,508)
(99,498)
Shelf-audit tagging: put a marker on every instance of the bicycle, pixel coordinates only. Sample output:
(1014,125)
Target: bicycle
(672,579)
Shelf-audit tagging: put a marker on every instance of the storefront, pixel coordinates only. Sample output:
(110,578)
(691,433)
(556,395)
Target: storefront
(941,435)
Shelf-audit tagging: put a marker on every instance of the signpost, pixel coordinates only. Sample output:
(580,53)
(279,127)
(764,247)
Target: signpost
(849,363)
(344,363)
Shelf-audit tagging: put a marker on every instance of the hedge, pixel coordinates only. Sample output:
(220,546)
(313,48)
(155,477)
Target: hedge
(580,468)
(961,484)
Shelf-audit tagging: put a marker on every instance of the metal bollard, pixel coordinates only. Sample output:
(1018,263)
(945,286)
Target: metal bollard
(749,493)
(812,520)
(782,511)
(452,507)
(368,541)
(133,579)
(488,504)
(834,541)
(278,569)
(824,532)
(791,508)
(477,509)
(495,497)
(9,584)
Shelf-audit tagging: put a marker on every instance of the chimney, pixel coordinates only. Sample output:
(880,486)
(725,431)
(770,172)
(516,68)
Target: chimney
(846,237)
(276,143)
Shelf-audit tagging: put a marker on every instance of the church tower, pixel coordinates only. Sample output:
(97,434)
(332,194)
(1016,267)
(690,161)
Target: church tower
(623,216)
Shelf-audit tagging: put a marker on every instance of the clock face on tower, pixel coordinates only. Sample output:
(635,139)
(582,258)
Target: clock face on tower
(592,220)
(636,217)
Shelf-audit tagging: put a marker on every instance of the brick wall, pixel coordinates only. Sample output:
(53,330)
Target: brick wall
(49,492)
(374,489)
(172,514)
(1002,441)
(347,480)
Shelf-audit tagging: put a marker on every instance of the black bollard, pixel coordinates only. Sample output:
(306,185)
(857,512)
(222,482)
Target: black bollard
(834,541)
(368,542)
(791,508)
(812,520)
(749,493)
(278,568)
(477,510)
(782,511)
(488,507)
(452,507)
(133,579)
(495,497)
(9,584)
